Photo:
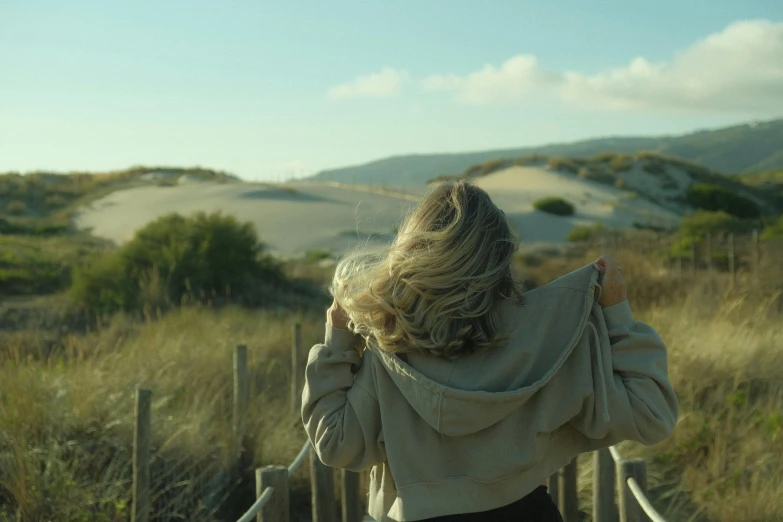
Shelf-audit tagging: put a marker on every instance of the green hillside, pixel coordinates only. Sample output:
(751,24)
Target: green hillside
(749,147)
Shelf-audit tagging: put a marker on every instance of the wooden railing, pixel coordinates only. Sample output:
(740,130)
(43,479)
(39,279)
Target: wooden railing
(612,473)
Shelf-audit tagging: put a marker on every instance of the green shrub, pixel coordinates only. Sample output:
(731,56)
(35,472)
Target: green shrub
(620,163)
(488,167)
(773,231)
(444,177)
(616,162)
(557,206)
(707,196)
(317,255)
(565,164)
(652,166)
(173,258)
(705,222)
(585,233)
(16,208)
(597,174)
(532,159)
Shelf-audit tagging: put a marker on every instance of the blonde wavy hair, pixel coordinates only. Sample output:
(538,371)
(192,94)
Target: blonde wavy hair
(436,289)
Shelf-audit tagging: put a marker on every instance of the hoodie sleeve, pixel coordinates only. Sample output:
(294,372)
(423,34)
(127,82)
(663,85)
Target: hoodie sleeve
(339,407)
(635,400)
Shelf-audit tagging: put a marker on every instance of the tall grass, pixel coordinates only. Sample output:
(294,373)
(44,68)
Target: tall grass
(66,420)
(723,463)
(66,413)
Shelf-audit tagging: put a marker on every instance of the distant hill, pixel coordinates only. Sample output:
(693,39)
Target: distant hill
(751,147)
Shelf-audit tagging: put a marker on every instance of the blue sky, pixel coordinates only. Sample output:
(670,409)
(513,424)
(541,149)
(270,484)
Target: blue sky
(271,89)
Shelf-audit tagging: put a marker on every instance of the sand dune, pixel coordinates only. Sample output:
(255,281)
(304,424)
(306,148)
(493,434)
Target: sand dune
(516,189)
(306,215)
(290,219)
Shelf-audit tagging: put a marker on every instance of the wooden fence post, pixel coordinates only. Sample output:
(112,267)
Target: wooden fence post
(604,508)
(630,510)
(352,508)
(241,398)
(322,488)
(709,254)
(756,253)
(553,485)
(679,262)
(693,255)
(296,350)
(276,508)
(732,270)
(140,511)
(569,503)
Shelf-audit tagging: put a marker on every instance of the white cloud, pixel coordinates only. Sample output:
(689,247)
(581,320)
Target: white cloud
(383,84)
(509,83)
(738,69)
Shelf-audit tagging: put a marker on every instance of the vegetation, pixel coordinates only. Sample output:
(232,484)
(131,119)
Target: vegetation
(567,164)
(70,399)
(42,265)
(365,234)
(207,256)
(586,233)
(704,222)
(726,364)
(317,255)
(488,167)
(553,205)
(616,162)
(531,159)
(774,230)
(41,196)
(67,425)
(596,174)
(715,197)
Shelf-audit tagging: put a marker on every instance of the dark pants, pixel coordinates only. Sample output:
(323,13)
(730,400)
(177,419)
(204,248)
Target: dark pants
(535,507)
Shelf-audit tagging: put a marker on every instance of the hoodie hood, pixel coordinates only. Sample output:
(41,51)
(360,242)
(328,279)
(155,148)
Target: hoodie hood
(476,391)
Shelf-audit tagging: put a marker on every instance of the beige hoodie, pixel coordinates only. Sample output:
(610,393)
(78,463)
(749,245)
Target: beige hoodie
(445,437)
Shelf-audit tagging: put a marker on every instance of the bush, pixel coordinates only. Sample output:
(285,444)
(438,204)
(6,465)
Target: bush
(444,177)
(773,231)
(557,206)
(653,166)
(564,164)
(620,163)
(596,174)
(585,233)
(531,159)
(317,255)
(16,208)
(200,257)
(488,167)
(706,196)
(706,222)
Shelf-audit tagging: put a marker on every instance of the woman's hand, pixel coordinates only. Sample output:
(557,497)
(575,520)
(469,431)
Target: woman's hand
(611,279)
(336,317)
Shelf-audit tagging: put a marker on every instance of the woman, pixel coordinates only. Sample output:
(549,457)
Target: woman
(465,394)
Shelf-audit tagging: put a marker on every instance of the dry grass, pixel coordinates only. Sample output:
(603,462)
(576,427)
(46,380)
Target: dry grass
(66,415)
(723,462)
(65,433)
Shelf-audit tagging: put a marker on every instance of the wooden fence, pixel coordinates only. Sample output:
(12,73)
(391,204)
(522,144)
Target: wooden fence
(626,477)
